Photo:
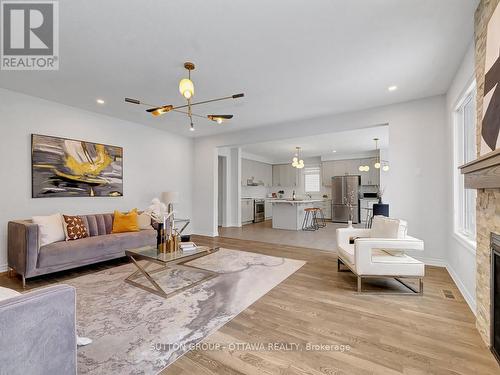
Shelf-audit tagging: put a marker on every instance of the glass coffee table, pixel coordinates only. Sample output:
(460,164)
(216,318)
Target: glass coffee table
(166,261)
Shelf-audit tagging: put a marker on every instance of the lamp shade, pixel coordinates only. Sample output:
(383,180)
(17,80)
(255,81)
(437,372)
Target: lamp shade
(170,197)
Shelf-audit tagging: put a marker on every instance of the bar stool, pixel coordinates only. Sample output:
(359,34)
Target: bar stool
(320,218)
(310,221)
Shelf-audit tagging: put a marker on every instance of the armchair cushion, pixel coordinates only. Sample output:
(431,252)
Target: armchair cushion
(384,227)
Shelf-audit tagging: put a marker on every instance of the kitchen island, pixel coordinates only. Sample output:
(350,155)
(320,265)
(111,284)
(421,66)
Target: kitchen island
(289,214)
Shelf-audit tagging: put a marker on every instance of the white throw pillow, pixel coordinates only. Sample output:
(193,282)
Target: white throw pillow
(384,227)
(144,221)
(50,229)
(6,293)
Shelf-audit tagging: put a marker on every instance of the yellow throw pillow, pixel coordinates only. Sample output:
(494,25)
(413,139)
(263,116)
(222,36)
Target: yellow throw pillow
(125,222)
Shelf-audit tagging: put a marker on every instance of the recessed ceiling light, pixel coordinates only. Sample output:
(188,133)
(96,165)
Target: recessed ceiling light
(334,151)
(392,88)
(100,101)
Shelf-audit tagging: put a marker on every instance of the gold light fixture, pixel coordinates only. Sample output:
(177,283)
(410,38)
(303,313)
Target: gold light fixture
(377,161)
(186,88)
(379,164)
(297,161)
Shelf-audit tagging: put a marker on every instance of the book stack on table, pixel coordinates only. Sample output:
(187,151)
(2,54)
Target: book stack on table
(188,246)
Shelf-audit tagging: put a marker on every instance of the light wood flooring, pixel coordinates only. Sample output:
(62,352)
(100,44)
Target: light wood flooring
(323,239)
(407,335)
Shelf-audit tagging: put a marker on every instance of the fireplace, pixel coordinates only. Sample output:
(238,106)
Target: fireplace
(495,295)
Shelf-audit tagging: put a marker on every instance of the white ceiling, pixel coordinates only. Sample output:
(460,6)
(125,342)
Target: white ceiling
(292,58)
(346,144)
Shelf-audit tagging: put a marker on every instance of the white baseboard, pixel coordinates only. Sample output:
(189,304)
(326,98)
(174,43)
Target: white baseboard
(205,233)
(467,297)
(437,262)
(454,276)
(4,267)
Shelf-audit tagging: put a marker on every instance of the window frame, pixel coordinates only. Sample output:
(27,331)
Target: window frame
(305,173)
(461,196)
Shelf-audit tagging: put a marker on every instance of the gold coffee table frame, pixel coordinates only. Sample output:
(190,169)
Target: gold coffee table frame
(166,261)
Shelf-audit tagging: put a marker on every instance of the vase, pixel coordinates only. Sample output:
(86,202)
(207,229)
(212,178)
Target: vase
(349,224)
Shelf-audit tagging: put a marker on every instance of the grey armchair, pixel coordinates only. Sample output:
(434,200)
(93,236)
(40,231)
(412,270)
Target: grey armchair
(38,332)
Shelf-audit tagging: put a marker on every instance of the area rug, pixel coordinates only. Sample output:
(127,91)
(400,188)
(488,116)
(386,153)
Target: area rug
(137,332)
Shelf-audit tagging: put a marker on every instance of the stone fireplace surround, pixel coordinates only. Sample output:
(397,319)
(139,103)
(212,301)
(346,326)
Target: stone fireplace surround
(484,174)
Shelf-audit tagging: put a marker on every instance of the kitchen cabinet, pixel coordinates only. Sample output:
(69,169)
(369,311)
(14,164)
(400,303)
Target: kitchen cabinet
(246,210)
(339,168)
(269,209)
(284,175)
(256,169)
(372,177)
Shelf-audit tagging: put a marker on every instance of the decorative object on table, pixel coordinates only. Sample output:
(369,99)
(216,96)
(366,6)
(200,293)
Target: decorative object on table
(158,213)
(281,193)
(185,238)
(349,201)
(188,246)
(169,198)
(297,161)
(490,123)
(186,88)
(157,210)
(380,193)
(62,167)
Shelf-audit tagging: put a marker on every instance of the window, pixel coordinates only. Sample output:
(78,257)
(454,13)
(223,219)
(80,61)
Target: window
(312,180)
(465,151)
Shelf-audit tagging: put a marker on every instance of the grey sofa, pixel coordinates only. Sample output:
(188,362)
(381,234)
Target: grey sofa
(29,260)
(38,332)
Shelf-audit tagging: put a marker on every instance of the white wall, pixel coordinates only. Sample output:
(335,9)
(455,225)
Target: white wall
(461,257)
(416,183)
(154,160)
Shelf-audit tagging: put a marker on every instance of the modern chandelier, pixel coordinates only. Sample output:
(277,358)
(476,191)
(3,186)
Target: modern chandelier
(186,89)
(297,161)
(379,164)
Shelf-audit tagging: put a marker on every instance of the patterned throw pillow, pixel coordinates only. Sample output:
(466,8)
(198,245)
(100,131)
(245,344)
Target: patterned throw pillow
(74,228)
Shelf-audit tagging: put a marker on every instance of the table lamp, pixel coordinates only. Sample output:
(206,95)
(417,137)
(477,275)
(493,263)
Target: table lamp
(169,198)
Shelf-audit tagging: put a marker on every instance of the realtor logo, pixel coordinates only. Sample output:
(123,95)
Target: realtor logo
(30,35)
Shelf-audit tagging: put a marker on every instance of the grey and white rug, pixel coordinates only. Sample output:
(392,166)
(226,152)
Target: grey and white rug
(133,330)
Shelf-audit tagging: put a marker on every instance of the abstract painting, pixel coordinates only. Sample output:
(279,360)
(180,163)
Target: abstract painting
(490,126)
(68,168)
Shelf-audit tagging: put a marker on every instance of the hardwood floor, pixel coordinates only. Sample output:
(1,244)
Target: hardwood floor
(407,335)
(323,238)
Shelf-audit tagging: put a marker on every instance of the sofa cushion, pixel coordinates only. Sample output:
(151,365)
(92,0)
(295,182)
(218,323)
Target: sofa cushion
(66,252)
(125,222)
(50,228)
(74,228)
(6,293)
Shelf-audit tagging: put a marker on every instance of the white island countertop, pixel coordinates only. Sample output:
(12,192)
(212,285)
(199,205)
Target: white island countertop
(297,201)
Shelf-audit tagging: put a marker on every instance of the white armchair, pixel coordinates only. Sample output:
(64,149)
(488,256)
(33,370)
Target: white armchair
(379,252)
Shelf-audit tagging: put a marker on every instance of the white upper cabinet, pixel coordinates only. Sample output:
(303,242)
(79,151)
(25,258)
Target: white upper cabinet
(351,167)
(284,175)
(259,171)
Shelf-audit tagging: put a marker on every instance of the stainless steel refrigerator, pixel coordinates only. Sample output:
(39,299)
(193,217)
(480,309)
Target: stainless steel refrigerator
(343,187)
